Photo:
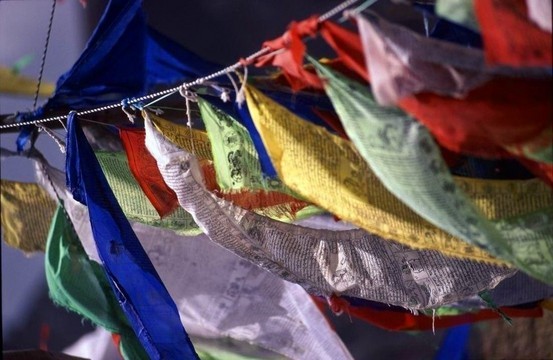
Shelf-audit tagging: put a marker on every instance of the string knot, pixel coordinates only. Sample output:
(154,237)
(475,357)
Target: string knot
(124,106)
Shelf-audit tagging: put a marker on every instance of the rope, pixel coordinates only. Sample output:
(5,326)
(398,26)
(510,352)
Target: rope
(43,60)
(196,82)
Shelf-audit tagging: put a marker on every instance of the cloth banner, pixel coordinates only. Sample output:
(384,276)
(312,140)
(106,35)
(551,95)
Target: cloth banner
(278,202)
(403,155)
(499,107)
(402,63)
(27,211)
(235,159)
(80,285)
(154,317)
(132,200)
(330,172)
(510,37)
(144,170)
(352,263)
(220,295)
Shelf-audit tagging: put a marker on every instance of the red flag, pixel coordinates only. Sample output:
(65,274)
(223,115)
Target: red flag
(144,168)
(397,320)
(290,59)
(510,37)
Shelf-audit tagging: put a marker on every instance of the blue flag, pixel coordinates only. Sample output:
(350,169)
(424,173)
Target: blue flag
(145,300)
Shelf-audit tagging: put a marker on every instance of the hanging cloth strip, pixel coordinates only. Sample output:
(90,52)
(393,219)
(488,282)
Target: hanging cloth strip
(202,276)
(290,59)
(27,211)
(123,58)
(353,263)
(488,123)
(510,37)
(526,141)
(80,285)
(330,172)
(154,317)
(519,99)
(136,206)
(406,321)
(146,173)
(235,159)
(133,201)
(402,63)
(405,158)
(274,204)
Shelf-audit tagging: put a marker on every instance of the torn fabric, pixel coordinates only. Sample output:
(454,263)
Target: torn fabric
(324,262)
(235,159)
(273,200)
(133,201)
(202,276)
(80,285)
(330,172)
(402,63)
(154,317)
(403,155)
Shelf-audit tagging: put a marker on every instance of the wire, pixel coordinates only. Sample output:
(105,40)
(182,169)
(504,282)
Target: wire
(198,81)
(44,52)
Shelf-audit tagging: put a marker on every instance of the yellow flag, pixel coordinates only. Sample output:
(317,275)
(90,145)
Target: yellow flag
(192,140)
(27,211)
(13,83)
(328,171)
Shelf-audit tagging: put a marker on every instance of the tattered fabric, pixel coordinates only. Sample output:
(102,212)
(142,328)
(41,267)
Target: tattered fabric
(329,171)
(406,321)
(271,198)
(403,155)
(154,317)
(324,262)
(133,201)
(80,285)
(243,295)
(495,116)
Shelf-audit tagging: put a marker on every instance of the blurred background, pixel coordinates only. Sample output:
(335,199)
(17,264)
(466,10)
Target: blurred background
(221,31)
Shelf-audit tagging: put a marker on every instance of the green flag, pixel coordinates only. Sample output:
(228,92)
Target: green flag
(80,285)
(403,154)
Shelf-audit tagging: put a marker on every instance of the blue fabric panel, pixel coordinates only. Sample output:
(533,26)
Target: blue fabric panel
(168,63)
(134,280)
(302,104)
(455,343)
(502,169)
(112,65)
(245,118)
